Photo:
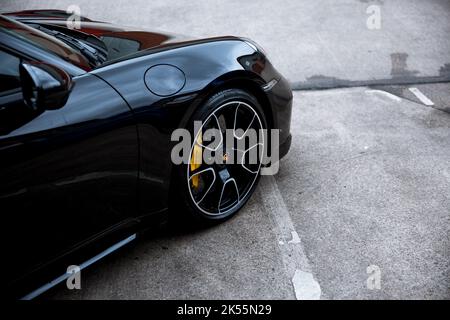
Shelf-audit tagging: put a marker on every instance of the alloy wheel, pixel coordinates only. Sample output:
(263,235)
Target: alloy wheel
(218,187)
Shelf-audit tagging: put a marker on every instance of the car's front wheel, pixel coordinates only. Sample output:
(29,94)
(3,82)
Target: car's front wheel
(225,157)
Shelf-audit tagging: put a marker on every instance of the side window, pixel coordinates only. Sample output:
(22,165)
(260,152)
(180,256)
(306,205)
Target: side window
(9,73)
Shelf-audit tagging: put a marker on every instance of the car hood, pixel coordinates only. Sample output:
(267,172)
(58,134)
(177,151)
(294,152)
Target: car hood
(120,41)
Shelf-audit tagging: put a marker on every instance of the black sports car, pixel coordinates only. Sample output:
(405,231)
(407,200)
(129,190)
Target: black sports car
(86,123)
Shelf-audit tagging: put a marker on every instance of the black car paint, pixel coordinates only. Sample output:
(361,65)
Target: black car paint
(215,66)
(67,175)
(76,179)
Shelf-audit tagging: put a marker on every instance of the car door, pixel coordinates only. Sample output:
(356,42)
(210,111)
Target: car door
(66,175)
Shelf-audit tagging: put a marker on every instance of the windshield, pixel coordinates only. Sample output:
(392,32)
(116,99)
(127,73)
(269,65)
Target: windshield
(44,41)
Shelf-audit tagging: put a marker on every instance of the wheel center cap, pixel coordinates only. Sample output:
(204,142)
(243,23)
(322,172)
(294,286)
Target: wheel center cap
(225,157)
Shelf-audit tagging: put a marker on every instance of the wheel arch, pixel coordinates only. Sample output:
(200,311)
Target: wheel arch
(241,79)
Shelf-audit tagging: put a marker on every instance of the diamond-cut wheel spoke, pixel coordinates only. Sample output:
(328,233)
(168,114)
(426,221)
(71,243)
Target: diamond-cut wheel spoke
(239,124)
(246,164)
(214,145)
(208,186)
(230,182)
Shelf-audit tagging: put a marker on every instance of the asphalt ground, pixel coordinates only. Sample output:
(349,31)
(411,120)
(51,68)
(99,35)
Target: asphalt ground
(365,185)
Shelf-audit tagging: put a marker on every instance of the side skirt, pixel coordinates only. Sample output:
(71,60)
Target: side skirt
(84,265)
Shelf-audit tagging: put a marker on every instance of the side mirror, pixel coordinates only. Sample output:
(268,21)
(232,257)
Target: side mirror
(44,86)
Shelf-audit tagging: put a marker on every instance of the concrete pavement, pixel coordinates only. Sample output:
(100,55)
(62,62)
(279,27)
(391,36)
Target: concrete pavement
(368,185)
(365,183)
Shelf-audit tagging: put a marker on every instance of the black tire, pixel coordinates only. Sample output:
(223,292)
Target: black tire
(184,207)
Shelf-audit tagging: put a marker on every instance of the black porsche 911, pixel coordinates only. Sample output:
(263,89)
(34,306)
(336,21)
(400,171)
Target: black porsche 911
(86,123)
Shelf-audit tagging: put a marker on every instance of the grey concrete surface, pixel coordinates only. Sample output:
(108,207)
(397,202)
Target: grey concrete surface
(439,93)
(366,183)
(314,43)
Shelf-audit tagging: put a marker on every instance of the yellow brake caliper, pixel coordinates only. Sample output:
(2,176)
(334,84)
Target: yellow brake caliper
(196,159)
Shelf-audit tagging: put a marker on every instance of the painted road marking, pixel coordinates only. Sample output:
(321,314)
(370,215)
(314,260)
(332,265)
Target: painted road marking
(384,93)
(306,288)
(294,258)
(295,238)
(423,98)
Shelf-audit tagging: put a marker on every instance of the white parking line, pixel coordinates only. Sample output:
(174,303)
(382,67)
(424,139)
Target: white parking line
(423,98)
(294,258)
(295,238)
(306,288)
(384,93)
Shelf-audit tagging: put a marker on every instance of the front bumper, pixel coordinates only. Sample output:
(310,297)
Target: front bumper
(285,146)
(280,98)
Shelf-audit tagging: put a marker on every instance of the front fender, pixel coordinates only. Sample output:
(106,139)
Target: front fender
(206,66)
